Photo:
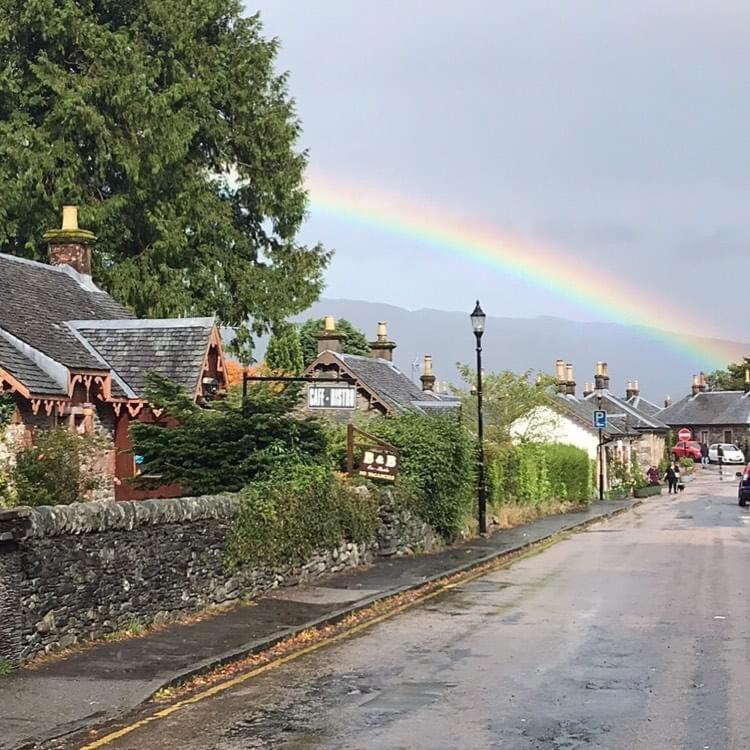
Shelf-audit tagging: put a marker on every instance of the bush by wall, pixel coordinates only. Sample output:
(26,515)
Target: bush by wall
(56,470)
(438,462)
(537,473)
(284,518)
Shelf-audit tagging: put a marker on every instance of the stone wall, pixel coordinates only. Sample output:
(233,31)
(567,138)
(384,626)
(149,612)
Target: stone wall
(75,573)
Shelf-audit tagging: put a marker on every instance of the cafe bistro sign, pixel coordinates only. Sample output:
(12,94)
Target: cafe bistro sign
(330,396)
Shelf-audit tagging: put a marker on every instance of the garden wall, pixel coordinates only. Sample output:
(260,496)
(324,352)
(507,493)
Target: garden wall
(77,572)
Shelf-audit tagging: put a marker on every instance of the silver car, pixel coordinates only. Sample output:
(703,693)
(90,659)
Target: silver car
(731,453)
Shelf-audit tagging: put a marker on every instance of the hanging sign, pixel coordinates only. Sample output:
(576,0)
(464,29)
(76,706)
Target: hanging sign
(331,397)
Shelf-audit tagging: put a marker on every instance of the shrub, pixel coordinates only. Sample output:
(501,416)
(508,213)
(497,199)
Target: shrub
(537,473)
(438,461)
(54,470)
(686,462)
(229,443)
(284,518)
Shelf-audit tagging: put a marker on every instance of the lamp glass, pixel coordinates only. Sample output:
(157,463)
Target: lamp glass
(477,319)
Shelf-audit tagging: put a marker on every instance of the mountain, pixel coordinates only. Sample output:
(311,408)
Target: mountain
(530,343)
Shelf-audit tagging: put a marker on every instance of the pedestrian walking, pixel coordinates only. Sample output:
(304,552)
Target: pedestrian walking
(704,455)
(671,477)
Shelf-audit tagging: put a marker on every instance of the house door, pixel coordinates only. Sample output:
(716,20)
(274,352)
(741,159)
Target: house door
(727,436)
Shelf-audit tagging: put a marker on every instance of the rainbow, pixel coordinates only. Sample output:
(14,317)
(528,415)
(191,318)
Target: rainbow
(542,265)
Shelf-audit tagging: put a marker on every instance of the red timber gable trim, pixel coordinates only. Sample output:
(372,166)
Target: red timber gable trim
(214,364)
(92,380)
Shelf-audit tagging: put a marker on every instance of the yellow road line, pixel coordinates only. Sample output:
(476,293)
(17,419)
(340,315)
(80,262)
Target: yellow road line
(234,681)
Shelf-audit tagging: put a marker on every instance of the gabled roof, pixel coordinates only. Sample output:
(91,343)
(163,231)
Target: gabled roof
(582,412)
(395,388)
(173,347)
(644,406)
(709,408)
(26,372)
(625,416)
(37,299)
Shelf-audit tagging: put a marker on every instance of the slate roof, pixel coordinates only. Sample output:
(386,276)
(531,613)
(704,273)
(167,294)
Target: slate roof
(174,348)
(644,406)
(395,388)
(583,413)
(26,372)
(625,416)
(35,301)
(709,408)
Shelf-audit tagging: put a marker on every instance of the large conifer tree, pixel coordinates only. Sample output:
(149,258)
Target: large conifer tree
(167,123)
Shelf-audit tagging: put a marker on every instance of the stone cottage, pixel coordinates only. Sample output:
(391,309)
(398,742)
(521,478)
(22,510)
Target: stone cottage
(71,356)
(370,385)
(712,416)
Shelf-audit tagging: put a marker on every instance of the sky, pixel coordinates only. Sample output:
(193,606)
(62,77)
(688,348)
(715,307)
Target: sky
(616,132)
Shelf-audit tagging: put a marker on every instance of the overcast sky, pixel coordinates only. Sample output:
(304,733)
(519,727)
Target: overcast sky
(619,131)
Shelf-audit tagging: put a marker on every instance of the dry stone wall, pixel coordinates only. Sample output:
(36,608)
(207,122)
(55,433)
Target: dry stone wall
(75,573)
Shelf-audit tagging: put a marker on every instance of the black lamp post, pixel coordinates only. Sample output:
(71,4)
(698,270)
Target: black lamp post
(477,323)
(601,446)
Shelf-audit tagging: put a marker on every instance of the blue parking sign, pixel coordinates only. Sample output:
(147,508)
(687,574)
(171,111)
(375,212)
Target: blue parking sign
(600,419)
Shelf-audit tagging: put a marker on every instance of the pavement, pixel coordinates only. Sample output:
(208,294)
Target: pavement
(631,634)
(108,680)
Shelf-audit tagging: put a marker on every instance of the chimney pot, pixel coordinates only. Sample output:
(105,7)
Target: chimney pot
(588,389)
(667,402)
(570,385)
(562,385)
(381,348)
(329,339)
(427,378)
(70,218)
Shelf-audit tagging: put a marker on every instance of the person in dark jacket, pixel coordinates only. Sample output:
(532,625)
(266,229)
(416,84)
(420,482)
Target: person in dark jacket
(704,455)
(672,477)
(652,476)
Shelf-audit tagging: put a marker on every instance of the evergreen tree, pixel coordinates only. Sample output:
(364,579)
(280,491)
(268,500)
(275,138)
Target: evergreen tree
(730,379)
(355,342)
(284,352)
(167,123)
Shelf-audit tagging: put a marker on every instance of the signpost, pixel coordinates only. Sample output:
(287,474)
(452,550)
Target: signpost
(684,435)
(600,421)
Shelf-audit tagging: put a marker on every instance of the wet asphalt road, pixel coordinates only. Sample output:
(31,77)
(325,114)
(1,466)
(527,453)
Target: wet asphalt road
(633,634)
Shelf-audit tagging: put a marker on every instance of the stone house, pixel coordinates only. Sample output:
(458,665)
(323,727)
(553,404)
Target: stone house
(370,385)
(71,356)
(712,416)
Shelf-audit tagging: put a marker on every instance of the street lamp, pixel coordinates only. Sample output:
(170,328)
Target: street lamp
(601,446)
(477,323)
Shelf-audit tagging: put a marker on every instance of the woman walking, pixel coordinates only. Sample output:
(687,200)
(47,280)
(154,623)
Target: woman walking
(671,477)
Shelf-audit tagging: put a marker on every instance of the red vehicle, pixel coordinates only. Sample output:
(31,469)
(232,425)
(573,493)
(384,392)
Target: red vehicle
(691,449)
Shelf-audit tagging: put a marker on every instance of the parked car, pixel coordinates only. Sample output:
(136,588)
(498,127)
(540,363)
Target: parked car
(732,454)
(691,449)
(743,493)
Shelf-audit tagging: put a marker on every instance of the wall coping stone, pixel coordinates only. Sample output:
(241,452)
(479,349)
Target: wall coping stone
(94,517)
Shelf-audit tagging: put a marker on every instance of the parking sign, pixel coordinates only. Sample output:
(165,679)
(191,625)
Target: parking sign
(600,419)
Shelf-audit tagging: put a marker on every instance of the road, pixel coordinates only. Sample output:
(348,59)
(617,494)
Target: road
(632,634)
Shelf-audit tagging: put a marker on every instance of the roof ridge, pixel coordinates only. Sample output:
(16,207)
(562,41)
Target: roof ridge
(142,323)
(83,280)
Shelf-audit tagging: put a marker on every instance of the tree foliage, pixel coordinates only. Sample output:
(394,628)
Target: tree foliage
(228,444)
(732,378)
(284,352)
(167,123)
(506,396)
(355,342)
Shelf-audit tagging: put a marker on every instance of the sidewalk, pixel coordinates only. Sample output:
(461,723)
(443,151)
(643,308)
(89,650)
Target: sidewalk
(108,680)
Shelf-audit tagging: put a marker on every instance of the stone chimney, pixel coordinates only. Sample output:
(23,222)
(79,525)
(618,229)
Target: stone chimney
(633,390)
(329,339)
(570,383)
(70,246)
(747,380)
(427,378)
(588,389)
(667,402)
(702,384)
(381,348)
(696,387)
(601,379)
(561,377)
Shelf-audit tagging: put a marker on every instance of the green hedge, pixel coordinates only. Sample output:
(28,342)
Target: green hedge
(300,508)
(537,473)
(438,462)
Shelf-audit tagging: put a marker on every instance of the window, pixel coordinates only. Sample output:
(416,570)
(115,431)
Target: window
(727,436)
(704,436)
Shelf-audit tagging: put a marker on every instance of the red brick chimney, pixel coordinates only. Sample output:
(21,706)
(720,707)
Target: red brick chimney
(381,348)
(70,246)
